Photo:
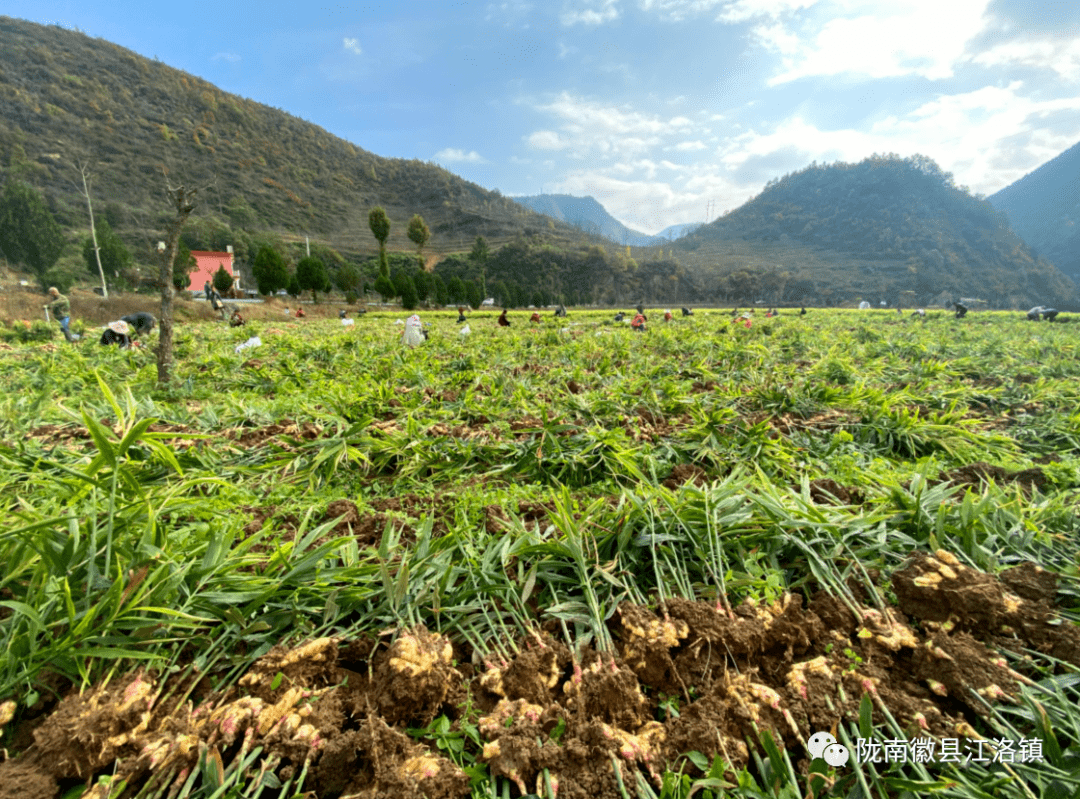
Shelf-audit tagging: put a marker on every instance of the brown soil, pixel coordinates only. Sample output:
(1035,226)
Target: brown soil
(342,707)
(825,491)
(686,473)
(974,474)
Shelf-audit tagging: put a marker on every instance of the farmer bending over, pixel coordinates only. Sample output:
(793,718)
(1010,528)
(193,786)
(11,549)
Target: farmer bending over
(461,314)
(638,324)
(236,320)
(117,333)
(140,323)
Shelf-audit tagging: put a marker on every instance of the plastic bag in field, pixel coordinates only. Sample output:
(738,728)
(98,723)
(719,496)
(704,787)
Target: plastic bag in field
(347,322)
(398,322)
(254,341)
(413,333)
(464,331)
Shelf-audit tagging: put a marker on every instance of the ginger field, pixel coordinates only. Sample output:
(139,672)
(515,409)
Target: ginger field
(561,560)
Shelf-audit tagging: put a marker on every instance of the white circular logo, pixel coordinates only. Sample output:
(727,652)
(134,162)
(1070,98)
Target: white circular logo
(836,755)
(817,743)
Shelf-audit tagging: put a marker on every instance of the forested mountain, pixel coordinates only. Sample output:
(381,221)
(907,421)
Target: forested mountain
(885,228)
(67,98)
(1044,209)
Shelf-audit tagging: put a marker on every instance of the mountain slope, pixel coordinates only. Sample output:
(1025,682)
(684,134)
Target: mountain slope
(672,232)
(65,97)
(872,230)
(1044,209)
(587,214)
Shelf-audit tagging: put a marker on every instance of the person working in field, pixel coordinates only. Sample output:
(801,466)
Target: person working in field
(60,308)
(687,312)
(535,317)
(236,320)
(461,314)
(560,312)
(300,313)
(503,321)
(667,316)
(638,322)
(413,334)
(118,333)
(141,323)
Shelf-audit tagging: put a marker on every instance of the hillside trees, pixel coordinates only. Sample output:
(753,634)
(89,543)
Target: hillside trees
(419,234)
(349,281)
(269,270)
(223,281)
(455,289)
(439,290)
(311,276)
(379,223)
(29,235)
(479,257)
(404,288)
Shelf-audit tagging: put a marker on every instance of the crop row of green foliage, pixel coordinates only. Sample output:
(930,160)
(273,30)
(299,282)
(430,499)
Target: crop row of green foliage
(131,542)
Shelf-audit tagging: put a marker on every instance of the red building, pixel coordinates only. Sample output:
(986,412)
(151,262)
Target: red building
(208,264)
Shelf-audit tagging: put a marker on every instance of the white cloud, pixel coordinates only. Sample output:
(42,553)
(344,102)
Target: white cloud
(726,10)
(451,155)
(232,58)
(352,45)
(909,37)
(588,128)
(1060,55)
(508,12)
(564,50)
(594,13)
(744,10)
(690,146)
(545,140)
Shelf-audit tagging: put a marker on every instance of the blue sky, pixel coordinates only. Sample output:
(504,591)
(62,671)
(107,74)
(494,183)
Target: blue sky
(661,109)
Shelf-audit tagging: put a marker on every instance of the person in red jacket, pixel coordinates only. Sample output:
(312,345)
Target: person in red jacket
(638,323)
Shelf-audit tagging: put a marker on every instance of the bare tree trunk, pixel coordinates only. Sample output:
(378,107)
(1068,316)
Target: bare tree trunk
(84,172)
(184,200)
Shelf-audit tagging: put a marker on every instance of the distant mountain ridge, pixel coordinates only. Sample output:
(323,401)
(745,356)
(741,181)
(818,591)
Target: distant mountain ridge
(886,228)
(1044,209)
(589,215)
